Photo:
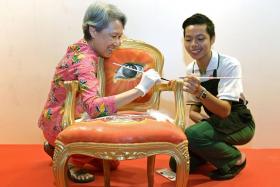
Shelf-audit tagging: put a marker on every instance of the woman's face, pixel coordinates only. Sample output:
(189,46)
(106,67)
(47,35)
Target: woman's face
(108,39)
(197,41)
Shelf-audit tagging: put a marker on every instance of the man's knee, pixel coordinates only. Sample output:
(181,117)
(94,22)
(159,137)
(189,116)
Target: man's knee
(193,134)
(197,135)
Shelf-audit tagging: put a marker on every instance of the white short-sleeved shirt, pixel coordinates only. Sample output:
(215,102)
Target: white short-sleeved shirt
(228,89)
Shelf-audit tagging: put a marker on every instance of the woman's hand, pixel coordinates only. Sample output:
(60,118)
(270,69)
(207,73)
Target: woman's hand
(148,80)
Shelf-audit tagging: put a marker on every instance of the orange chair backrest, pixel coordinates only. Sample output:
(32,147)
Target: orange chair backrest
(116,78)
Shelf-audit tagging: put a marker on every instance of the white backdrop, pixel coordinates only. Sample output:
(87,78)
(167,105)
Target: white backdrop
(34,35)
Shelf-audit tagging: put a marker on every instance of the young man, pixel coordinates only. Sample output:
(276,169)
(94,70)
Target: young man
(214,81)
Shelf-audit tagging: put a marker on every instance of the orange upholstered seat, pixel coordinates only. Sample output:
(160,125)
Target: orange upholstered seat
(102,131)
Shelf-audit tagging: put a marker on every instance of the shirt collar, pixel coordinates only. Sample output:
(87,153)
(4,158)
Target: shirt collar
(213,64)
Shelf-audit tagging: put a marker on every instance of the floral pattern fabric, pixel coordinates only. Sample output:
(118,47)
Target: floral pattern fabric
(79,63)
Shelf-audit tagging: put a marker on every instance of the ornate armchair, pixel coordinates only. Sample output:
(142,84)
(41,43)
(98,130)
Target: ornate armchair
(132,133)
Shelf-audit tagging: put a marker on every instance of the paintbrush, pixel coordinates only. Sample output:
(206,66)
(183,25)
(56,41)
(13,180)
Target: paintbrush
(135,70)
(214,77)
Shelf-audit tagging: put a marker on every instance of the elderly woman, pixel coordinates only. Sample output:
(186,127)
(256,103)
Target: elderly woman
(103,26)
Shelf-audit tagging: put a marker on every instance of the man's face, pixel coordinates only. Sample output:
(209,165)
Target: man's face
(108,39)
(197,41)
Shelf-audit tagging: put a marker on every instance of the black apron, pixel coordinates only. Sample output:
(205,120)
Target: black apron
(240,116)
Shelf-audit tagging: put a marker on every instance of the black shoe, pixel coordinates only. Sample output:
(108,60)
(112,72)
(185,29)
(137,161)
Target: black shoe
(49,149)
(219,175)
(195,162)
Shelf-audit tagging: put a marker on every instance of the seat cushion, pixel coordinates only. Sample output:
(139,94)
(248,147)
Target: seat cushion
(131,129)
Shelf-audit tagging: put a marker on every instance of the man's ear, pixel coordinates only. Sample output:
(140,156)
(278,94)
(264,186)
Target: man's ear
(213,40)
(92,31)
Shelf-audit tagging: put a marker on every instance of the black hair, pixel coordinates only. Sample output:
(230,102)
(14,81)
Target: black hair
(200,19)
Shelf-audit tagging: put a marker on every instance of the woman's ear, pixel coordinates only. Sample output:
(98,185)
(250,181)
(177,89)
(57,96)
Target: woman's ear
(92,31)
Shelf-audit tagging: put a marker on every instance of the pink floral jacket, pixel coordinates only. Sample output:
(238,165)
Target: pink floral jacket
(79,63)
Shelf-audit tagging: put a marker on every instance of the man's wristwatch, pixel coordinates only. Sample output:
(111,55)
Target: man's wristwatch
(202,94)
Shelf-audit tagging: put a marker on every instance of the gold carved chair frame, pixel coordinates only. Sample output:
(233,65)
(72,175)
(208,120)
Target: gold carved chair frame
(125,151)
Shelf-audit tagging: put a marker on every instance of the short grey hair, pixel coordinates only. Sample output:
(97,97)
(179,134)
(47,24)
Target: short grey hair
(99,15)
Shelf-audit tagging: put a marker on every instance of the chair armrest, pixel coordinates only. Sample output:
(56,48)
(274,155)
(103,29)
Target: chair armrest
(180,108)
(175,85)
(69,105)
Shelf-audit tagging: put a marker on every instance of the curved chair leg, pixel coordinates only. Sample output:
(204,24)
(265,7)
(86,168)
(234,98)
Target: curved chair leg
(181,175)
(151,170)
(182,170)
(106,172)
(61,175)
(59,165)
